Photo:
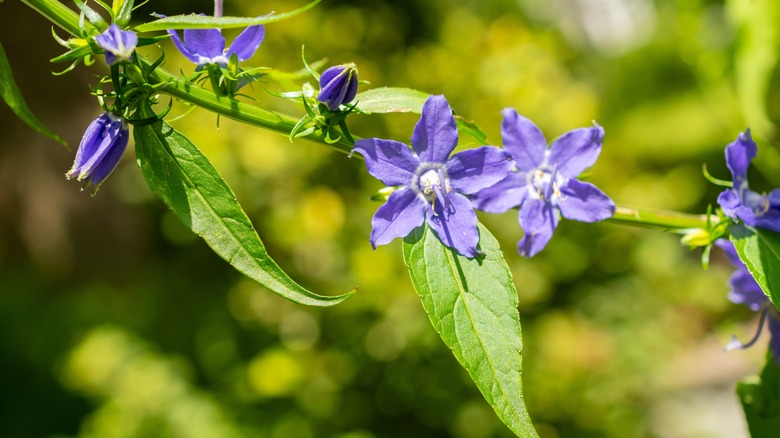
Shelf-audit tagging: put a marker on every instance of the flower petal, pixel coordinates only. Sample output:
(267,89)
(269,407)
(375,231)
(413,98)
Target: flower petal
(538,220)
(89,144)
(388,161)
(334,84)
(731,252)
(189,54)
(245,45)
(584,202)
(207,43)
(475,169)
(523,139)
(110,160)
(576,150)
(729,201)
(455,226)
(435,135)
(502,196)
(770,220)
(739,153)
(403,212)
(745,290)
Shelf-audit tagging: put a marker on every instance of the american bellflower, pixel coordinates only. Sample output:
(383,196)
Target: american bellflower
(100,149)
(207,46)
(745,290)
(338,85)
(119,44)
(739,202)
(545,183)
(430,184)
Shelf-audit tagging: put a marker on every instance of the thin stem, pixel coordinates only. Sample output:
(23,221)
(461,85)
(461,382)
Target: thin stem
(660,219)
(217,8)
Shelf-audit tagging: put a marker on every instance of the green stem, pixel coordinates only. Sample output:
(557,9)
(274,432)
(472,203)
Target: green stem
(661,219)
(58,14)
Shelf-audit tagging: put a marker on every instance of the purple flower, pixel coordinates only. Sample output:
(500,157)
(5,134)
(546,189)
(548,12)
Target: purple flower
(431,184)
(545,183)
(119,44)
(100,149)
(739,202)
(207,46)
(745,290)
(338,85)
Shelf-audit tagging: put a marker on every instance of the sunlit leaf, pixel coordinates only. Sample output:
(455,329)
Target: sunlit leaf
(472,304)
(760,251)
(192,188)
(13,97)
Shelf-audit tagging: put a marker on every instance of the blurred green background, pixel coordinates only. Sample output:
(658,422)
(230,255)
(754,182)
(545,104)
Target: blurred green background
(115,321)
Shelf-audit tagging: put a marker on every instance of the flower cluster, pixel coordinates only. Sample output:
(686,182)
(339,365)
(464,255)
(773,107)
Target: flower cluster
(444,191)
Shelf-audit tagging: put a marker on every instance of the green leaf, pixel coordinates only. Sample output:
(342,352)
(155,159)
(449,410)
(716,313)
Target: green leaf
(470,128)
(391,100)
(472,304)
(13,97)
(760,251)
(192,188)
(760,397)
(207,22)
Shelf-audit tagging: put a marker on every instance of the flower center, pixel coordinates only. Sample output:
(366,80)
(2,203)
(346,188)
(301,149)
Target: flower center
(433,184)
(758,203)
(544,184)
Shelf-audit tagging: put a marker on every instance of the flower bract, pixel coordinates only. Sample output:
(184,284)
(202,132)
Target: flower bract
(338,85)
(100,149)
(119,44)
(544,185)
(430,183)
(739,202)
(745,290)
(207,46)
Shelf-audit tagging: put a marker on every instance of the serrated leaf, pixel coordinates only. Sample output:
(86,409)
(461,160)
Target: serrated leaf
(760,397)
(207,22)
(13,97)
(472,304)
(191,187)
(760,251)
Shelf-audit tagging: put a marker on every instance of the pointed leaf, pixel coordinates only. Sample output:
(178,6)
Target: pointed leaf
(13,97)
(759,249)
(472,304)
(192,188)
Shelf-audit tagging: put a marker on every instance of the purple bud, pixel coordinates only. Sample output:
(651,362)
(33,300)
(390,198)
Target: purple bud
(119,44)
(100,149)
(338,85)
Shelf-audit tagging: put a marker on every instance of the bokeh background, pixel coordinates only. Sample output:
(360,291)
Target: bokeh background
(115,321)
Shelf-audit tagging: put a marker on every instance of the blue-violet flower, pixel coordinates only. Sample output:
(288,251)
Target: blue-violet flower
(207,46)
(745,290)
(338,85)
(739,202)
(100,149)
(431,184)
(545,182)
(119,44)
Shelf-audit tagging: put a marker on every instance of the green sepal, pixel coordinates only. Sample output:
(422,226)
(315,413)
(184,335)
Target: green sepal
(759,249)
(13,97)
(72,55)
(207,22)
(472,304)
(176,170)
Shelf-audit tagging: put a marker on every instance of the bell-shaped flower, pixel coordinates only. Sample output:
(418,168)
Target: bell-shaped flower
(739,202)
(430,184)
(745,290)
(207,46)
(100,149)
(119,44)
(545,182)
(338,85)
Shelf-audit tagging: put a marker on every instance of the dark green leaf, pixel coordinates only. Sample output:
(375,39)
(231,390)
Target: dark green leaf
(760,251)
(13,97)
(192,188)
(472,304)
(206,22)
(760,397)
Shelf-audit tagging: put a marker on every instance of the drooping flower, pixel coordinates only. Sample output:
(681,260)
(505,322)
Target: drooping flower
(100,149)
(431,184)
(745,290)
(338,85)
(207,46)
(119,44)
(545,182)
(739,202)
